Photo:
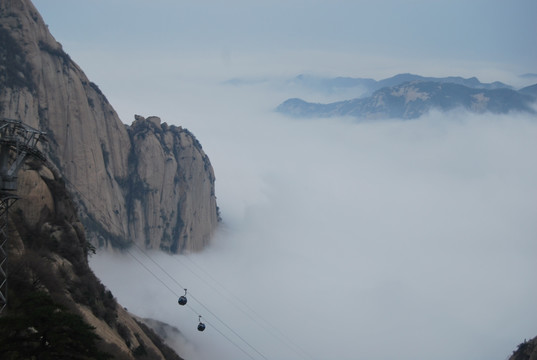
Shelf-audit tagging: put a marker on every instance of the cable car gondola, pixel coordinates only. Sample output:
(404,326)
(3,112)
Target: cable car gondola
(201,326)
(182,299)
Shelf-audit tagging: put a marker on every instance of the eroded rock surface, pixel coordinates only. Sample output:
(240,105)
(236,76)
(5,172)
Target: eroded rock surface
(149,182)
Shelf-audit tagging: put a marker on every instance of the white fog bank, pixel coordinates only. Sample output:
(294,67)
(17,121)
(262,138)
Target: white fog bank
(343,240)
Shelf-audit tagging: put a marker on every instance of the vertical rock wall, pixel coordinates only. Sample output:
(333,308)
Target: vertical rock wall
(147,183)
(171,190)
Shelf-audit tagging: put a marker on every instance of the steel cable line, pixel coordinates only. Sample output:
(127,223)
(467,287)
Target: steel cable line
(280,336)
(231,341)
(174,280)
(200,303)
(228,295)
(152,273)
(188,306)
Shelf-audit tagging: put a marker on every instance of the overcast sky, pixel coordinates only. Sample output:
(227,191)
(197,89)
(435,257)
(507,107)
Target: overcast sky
(493,32)
(162,42)
(409,240)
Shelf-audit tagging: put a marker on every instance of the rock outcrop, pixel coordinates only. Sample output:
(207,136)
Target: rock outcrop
(170,187)
(149,183)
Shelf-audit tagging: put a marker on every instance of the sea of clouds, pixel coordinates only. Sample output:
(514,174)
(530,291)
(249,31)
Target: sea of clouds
(345,239)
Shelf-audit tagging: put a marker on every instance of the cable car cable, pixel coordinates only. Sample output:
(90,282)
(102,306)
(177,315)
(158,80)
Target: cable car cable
(212,326)
(173,279)
(192,296)
(280,336)
(159,279)
(173,292)
(203,305)
(231,341)
(151,272)
(230,329)
(232,299)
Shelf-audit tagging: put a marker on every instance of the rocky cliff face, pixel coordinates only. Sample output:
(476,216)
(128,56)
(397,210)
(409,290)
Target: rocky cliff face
(57,308)
(149,183)
(170,187)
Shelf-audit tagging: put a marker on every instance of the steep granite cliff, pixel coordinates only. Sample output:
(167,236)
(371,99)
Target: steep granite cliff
(170,187)
(149,183)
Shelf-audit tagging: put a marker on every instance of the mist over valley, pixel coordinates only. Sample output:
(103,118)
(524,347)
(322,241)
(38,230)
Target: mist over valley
(321,181)
(347,237)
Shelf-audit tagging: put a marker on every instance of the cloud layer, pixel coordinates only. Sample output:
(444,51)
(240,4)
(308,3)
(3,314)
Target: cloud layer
(390,239)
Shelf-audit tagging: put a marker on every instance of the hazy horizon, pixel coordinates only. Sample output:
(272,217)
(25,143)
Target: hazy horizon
(389,239)
(165,42)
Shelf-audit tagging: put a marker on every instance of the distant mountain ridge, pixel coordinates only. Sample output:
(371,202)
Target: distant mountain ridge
(331,85)
(529,90)
(409,96)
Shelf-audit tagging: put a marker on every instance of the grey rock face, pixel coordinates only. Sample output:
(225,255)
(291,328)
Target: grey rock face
(148,183)
(170,187)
